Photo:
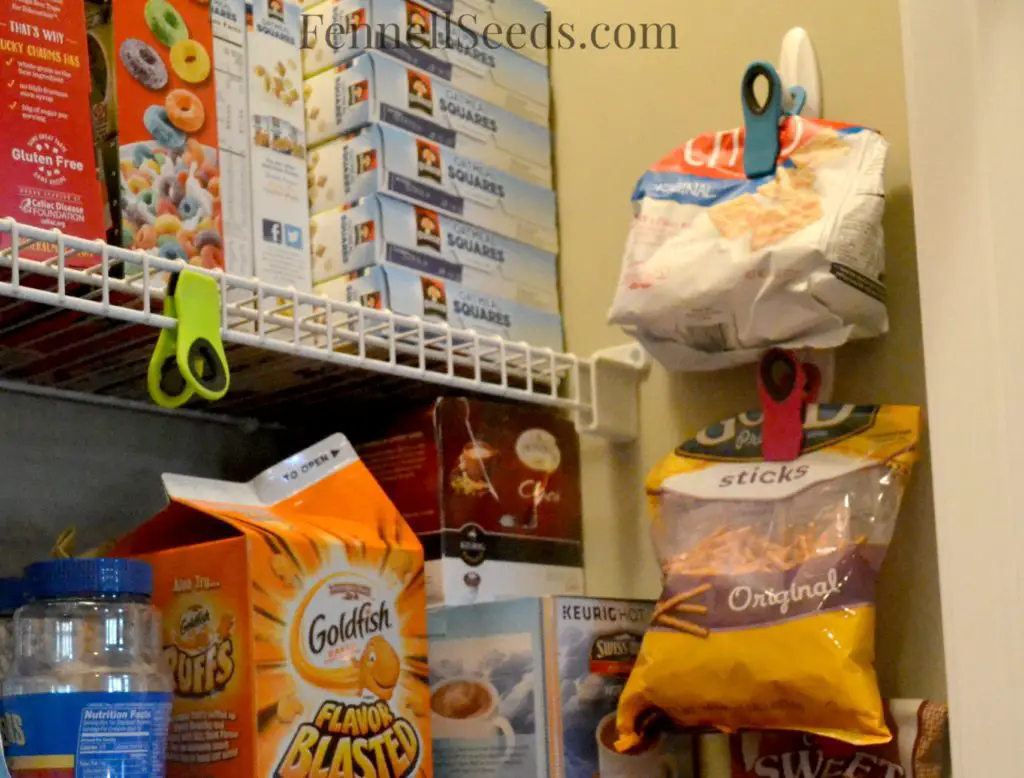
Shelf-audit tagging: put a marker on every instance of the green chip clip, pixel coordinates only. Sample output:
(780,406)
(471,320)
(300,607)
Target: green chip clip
(166,384)
(189,359)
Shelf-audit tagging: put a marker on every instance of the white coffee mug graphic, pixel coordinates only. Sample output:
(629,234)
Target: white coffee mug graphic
(649,762)
(483,725)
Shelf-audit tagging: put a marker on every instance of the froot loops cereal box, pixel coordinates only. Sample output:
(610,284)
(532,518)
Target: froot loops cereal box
(294,621)
(167,103)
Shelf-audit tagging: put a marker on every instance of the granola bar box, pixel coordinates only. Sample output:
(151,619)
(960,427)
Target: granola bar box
(381,231)
(441,298)
(295,623)
(382,159)
(493,492)
(376,88)
(337,30)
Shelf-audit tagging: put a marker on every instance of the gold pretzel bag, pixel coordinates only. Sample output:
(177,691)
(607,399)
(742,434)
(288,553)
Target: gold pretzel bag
(767,619)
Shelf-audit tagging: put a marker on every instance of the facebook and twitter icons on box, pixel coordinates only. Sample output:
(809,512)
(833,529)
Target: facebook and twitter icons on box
(279,233)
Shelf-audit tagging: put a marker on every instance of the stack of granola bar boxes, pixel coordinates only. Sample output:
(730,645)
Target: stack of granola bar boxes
(430,164)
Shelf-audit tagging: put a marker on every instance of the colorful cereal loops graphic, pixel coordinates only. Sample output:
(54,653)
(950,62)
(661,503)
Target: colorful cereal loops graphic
(185,110)
(165,22)
(159,125)
(190,61)
(144,64)
(169,202)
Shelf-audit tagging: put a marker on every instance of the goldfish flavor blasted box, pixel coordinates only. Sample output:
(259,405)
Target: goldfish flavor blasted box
(528,688)
(294,621)
(375,88)
(383,159)
(379,230)
(338,30)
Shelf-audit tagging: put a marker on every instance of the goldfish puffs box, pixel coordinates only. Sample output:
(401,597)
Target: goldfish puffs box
(295,622)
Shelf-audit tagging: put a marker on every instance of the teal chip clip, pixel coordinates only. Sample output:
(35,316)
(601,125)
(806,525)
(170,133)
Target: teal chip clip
(761,121)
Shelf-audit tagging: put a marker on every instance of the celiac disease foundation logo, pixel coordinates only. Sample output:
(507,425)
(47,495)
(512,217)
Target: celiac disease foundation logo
(343,639)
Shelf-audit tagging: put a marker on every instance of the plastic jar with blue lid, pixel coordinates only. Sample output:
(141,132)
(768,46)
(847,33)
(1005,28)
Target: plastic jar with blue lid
(12,597)
(89,693)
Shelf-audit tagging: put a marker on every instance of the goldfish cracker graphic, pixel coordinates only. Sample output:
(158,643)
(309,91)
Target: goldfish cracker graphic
(295,620)
(379,668)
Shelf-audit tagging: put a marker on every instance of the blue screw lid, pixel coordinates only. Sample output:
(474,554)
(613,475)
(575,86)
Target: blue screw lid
(61,578)
(12,594)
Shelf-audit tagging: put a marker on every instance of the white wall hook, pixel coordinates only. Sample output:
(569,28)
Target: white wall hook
(798,66)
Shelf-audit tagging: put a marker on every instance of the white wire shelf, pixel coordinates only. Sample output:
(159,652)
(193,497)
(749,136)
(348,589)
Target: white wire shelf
(91,331)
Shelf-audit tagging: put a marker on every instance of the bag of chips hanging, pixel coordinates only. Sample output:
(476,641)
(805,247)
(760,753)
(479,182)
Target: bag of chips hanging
(718,267)
(767,617)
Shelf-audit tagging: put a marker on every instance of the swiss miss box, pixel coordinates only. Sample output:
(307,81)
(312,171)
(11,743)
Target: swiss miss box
(493,492)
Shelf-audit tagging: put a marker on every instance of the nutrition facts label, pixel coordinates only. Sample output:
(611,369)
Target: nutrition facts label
(120,734)
(87,735)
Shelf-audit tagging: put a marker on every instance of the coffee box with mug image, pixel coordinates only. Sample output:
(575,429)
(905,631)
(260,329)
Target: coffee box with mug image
(529,687)
(493,492)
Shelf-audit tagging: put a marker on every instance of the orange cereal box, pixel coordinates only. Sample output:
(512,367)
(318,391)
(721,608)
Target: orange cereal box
(295,622)
(170,69)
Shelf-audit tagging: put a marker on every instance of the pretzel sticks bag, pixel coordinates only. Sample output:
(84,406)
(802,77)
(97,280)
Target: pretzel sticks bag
(767,618)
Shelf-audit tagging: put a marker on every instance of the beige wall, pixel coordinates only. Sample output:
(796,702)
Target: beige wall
(616,112)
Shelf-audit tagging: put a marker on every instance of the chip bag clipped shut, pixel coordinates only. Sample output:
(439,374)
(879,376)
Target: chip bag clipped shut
(767,619)
(718,267)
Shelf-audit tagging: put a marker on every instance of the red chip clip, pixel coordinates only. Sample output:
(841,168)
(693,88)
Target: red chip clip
(784,387)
